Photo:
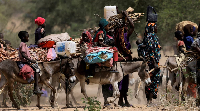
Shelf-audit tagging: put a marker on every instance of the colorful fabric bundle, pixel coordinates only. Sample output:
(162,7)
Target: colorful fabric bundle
(98,54)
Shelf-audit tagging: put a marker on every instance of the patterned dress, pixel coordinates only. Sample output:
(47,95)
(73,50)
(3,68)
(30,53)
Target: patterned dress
(152,50)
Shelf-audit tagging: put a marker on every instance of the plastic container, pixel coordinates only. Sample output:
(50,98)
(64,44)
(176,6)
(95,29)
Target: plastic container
(65,48)
(109,11)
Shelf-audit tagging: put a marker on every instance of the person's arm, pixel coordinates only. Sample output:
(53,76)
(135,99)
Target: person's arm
(100,41)
(181,48)
(27,58)
(22,50)
(131,29)
(102,44)
(196,49)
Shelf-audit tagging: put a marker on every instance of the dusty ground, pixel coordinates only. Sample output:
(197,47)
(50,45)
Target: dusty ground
(138,103)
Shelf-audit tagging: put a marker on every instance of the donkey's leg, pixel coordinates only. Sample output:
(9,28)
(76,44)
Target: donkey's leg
(10,89)
(116,92)
(4,97)
(53,90)
(38,97)
(82,84)
(70,91)
(52,94)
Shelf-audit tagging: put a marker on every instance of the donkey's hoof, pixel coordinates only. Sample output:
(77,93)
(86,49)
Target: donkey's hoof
(4,106)
(69,106)
(40,107)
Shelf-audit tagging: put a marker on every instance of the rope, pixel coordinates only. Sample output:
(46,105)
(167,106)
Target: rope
(122,56)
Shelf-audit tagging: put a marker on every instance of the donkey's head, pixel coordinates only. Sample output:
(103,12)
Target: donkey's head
(143,73)
(69,70)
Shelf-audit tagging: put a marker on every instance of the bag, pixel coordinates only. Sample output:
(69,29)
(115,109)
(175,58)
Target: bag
(46,44)
(51,54)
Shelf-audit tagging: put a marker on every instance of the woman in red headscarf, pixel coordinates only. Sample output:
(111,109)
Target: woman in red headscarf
(86,38)
(39,32)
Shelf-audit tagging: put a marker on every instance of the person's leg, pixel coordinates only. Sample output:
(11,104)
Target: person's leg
(120,102)
(36,88)
(106,91)
(125,84)
(36,77)
(198,83)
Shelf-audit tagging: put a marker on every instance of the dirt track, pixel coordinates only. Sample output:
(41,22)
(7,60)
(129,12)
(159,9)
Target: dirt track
(139,103)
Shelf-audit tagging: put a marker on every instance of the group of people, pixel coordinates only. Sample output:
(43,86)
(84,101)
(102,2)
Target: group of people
(119,42)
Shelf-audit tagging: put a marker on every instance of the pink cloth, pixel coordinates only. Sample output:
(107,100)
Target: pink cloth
(23,48)
(115,55)
(181,43)
(26,71)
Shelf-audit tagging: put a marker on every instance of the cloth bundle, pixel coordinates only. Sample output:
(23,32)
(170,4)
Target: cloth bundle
(98,54)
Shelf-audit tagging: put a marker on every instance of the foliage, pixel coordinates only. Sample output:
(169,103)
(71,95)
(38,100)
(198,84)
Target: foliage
(73,15)
(92,104)
(130,94)
(22,93)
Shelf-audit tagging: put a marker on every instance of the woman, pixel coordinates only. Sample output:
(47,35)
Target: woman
(152,55)
(39,32)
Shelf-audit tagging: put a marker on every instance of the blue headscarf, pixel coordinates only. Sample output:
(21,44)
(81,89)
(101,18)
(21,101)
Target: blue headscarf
(102,24)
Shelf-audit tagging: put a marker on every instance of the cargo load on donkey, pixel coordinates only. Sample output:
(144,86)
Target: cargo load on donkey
(99,54)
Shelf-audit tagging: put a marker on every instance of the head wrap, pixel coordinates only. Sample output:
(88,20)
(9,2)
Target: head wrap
(39,21)
(150,27)
(89,37)
(102,24)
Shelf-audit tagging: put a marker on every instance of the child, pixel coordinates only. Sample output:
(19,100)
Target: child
(181,45)
(39,32)
(140,49)
(24,56)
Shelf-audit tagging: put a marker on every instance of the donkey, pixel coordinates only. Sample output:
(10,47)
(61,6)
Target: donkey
(107,77)
(10,73)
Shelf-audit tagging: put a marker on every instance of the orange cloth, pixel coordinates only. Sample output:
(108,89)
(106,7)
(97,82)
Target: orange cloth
(192,88)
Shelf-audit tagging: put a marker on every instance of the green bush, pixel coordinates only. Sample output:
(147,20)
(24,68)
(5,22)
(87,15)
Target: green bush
(92,104)
(22,93)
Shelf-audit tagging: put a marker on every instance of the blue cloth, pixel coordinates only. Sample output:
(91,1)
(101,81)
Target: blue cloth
(188,40)
(45,94)
(96,57)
